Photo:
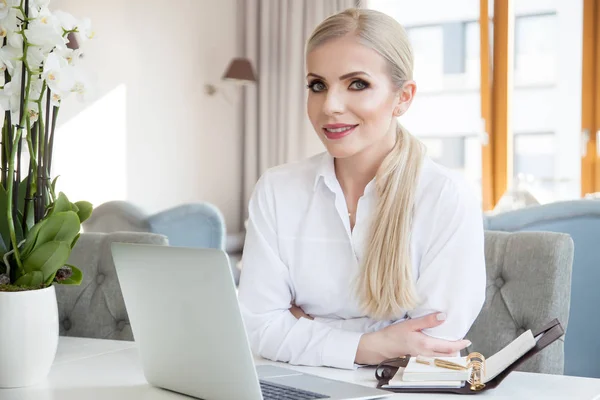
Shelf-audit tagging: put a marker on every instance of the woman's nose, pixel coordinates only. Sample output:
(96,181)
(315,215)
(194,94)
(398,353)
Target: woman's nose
(334,103)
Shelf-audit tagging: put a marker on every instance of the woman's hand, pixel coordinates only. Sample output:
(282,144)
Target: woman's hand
(406,338)
(299,313)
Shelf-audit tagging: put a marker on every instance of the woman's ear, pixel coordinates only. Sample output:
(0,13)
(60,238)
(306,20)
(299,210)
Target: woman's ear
(405,97)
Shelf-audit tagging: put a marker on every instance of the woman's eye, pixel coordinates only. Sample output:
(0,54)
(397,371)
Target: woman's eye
(359,85)
(316,86)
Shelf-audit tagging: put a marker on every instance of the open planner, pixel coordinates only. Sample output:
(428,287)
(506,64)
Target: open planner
(471,374)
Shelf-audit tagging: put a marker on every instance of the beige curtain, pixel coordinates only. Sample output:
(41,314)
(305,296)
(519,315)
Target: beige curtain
(275,127)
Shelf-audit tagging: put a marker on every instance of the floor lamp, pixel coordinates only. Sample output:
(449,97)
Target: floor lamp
(240,72)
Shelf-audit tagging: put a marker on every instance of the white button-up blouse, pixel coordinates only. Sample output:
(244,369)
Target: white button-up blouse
(300,249)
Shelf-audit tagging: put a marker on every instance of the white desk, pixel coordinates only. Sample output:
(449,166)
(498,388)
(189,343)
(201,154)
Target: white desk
(90,369)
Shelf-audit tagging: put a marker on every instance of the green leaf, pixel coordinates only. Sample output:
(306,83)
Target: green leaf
(18,227)
(4,231)
(61,204)
(22,193)
(62,226)
(54,183)
(48,258)
(75,241)
(75,279)
(30,216)
(85,210)
(31,239)
(30,279)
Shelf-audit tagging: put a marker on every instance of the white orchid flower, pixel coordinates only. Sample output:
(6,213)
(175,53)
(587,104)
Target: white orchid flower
(10,98)
(58,75)
(32,110)
(39,3)
(72,56)
(4,8)
(5,94)
(8,12)
(35,90)
(85,28)
(66,20)
(15,40)
(8,58)
(55,99)
(45,35)
(45,17)
(35,57)
(9,27)
(83,86)
(70,23)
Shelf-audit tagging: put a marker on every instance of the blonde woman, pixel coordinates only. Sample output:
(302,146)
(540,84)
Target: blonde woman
(370,250)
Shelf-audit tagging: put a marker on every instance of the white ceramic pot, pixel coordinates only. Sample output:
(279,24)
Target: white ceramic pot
(28,336)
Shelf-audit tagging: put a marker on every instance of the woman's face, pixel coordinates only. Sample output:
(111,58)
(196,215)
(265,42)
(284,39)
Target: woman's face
(352,102)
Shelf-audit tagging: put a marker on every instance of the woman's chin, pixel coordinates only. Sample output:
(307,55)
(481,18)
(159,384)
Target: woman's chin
(341,151)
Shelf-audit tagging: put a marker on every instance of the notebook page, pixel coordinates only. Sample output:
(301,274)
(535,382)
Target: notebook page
(398,382)
(417,372)
(508,355)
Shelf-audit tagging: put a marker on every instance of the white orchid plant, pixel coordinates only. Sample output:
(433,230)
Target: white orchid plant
(38,70)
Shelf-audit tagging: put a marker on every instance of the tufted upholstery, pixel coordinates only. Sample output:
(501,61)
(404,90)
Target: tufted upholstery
(96,308)
(581,220)
(528,284)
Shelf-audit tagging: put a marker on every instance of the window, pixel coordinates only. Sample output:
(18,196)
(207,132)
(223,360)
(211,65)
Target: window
(535,163)
(472,60)
(428,48)
(546,111)
(446,112)
(536,49)
(461,153)
(446,56)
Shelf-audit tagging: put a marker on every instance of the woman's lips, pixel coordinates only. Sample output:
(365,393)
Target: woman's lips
(338,131)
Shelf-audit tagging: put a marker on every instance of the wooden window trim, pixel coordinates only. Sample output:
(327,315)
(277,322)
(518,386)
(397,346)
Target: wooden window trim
(496,92)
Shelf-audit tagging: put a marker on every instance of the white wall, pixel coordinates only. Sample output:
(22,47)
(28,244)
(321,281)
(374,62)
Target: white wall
(152,136)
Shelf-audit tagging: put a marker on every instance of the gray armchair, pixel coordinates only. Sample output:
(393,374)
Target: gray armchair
(96,308)
(528,285)
(581,220)
(186,225)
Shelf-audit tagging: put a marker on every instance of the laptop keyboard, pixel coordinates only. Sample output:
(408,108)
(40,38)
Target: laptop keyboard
(272,391)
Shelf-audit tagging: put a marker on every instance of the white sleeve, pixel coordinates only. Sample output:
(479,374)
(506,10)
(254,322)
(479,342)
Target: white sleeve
(452,274)
(265,297)
(364,324)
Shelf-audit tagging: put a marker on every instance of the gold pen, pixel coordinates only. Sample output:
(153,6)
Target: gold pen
(441,363)
(448,364)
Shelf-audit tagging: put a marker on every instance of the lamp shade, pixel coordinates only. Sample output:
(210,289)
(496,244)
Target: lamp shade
(240,70)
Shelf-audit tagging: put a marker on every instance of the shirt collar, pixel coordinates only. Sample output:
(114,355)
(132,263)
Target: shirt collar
(326,172)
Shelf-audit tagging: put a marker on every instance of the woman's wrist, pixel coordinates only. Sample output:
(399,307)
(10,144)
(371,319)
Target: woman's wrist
(368,352)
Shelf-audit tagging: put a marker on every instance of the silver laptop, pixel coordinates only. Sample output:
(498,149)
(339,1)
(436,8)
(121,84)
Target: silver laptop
(185,317)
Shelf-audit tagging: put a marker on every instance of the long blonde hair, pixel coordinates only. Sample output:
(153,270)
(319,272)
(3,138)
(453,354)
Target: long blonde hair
(385,285)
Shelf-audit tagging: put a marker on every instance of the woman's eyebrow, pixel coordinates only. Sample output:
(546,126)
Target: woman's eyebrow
(345,76)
